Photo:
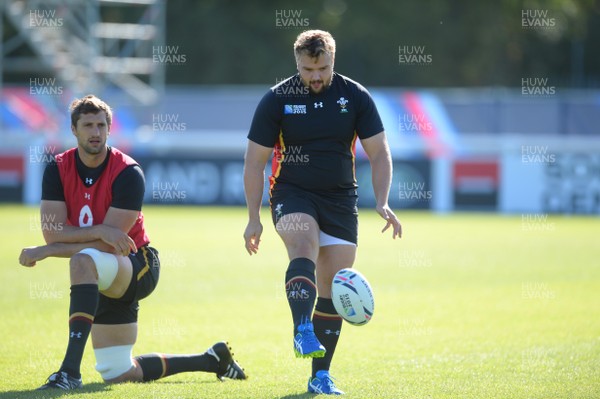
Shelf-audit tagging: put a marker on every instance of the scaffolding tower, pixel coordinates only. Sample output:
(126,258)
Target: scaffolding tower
(87,45)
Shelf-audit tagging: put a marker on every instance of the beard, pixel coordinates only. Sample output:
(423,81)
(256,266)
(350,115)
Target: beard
(317,86)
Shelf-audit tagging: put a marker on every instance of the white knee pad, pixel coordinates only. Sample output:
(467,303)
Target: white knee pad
(113,361)
(107,266)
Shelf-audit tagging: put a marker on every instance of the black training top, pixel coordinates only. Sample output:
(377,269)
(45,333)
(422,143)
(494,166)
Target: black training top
(127,189)
(314,135)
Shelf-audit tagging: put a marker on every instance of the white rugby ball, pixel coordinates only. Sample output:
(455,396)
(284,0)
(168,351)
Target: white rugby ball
(352,297)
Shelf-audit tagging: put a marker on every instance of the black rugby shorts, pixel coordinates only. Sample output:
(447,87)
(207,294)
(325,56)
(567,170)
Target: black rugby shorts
(124,310)
(336,212)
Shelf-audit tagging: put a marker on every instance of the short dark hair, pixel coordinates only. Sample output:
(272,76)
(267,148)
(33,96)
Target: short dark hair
(89,104)
(314,43)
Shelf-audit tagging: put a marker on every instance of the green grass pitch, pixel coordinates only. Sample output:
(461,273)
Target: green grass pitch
(466,306)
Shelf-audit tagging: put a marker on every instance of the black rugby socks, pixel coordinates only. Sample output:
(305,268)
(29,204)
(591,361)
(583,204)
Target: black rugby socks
(82,309)
(301,289)
(328,325)
(158,365)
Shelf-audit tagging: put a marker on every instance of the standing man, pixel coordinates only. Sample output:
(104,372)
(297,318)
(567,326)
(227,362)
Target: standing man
(93,196)
(311,122)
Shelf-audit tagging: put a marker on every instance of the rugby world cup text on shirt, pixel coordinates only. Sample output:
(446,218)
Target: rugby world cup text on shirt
(294,109)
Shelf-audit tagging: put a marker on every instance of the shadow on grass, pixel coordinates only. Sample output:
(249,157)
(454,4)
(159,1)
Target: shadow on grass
(93,388)
(304,395)
(99,387)
(55,393)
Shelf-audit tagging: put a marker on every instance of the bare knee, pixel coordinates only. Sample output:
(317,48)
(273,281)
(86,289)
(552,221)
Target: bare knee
(302,247)
(300,234)
(83,269)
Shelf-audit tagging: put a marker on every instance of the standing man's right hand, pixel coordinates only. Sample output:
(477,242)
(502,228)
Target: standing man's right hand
(254,182)
(252,235)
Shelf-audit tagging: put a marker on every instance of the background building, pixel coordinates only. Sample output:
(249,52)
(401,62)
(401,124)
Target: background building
(488,106)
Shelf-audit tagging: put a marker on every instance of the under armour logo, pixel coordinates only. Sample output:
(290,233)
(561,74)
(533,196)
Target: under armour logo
(87,195)
(329,332)
(75,335)
(88,180)
(319,104)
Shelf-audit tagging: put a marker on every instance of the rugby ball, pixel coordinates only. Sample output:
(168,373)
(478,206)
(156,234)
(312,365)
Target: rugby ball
(352,297)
